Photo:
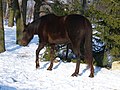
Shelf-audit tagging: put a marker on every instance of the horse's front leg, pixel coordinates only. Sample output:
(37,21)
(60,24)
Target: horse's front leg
(40,46)
(52,57)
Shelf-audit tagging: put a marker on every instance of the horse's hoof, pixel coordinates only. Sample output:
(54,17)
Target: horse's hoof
(91,75)
(37,66)
(50,69)
(74,74)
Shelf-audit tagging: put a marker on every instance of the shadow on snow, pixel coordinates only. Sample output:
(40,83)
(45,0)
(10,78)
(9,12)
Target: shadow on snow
(7,88)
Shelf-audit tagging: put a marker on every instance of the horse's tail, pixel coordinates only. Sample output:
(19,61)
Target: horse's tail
(88,47)
(88,43)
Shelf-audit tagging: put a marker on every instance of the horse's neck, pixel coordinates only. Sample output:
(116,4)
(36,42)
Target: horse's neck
(35,29)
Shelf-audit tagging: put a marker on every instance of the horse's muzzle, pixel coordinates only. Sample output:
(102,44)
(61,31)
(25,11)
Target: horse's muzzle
(24,43)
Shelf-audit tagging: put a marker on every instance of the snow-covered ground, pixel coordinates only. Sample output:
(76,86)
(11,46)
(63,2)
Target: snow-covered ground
(17,71)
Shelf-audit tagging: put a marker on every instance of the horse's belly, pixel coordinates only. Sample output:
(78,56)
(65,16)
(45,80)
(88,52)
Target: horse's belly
(58,40)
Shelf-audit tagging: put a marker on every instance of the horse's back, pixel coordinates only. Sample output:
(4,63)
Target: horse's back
(54,28)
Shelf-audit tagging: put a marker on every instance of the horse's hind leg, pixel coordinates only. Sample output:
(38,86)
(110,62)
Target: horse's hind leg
(41,45)
(52,53)
(67,50)
(89,55)
(89,60)
(77,68)
(78,54)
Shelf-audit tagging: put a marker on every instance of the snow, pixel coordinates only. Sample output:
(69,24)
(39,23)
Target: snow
(17,71)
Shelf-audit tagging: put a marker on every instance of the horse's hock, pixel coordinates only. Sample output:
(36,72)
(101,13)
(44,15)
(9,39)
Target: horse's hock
(116,65)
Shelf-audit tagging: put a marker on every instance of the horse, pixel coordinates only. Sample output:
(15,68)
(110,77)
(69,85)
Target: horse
(73,29)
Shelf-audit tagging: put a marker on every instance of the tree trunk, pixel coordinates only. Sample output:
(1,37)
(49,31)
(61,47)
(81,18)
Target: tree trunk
(19,22)
(2,41)
(24,7)
(37,8)
(84,6)
(11,13)
(4,3)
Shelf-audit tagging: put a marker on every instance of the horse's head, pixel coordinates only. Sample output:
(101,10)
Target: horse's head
(27,35)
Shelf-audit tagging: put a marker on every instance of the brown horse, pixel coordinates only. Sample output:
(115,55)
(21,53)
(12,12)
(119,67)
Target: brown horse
(71,29)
